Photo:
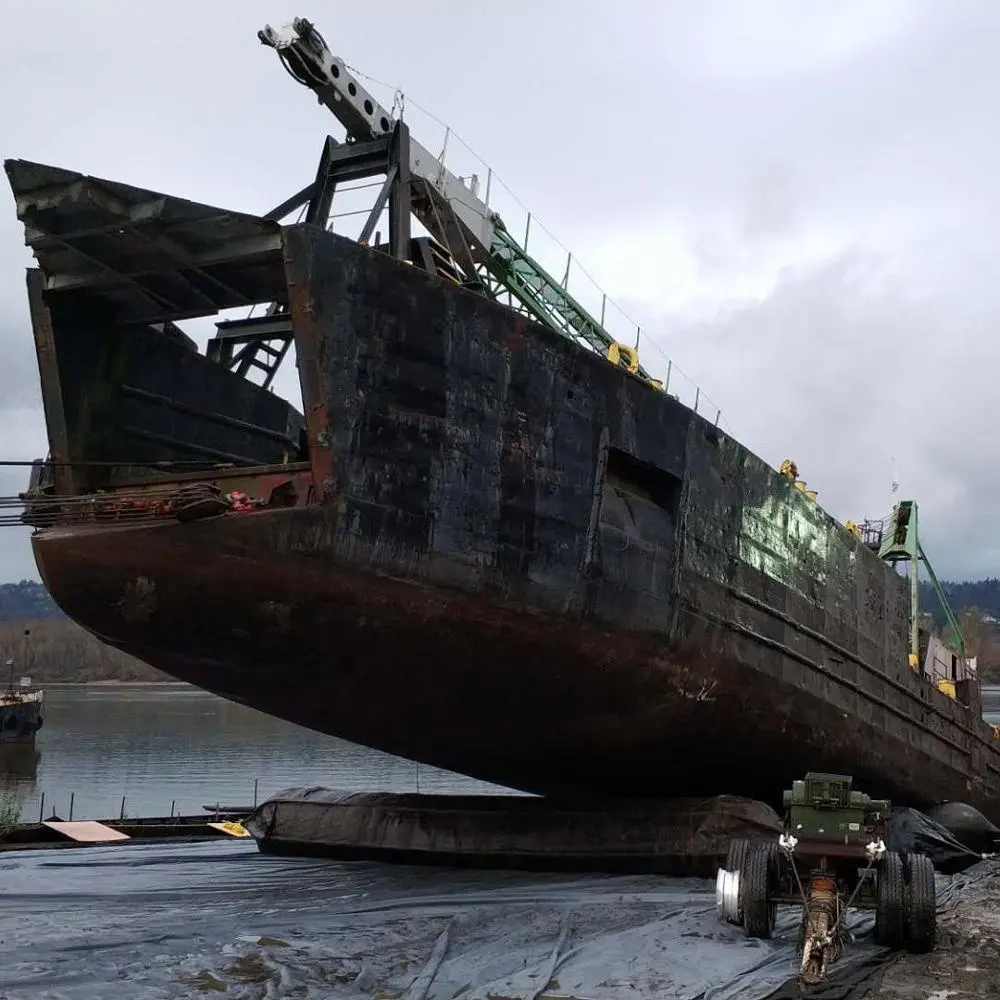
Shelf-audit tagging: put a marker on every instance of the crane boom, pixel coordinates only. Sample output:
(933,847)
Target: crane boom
(444,204)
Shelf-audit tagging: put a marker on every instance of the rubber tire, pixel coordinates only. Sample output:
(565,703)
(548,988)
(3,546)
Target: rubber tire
(921,904)
(736,862)
(756,879)
(890,897)
(737,855)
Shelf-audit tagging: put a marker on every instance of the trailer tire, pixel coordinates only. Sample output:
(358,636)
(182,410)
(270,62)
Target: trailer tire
(728,878)
(890,897)
(756,881)
(921,904)
(737,855)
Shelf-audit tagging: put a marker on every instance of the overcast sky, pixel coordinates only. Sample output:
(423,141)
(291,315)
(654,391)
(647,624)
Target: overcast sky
(798,201)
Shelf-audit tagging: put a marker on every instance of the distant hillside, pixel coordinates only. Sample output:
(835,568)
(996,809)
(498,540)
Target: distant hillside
(979,595)
(26,601)
(58,650)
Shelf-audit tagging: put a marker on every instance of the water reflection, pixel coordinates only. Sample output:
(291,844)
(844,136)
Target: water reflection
(173,748)
(165,747)
(19,763)
(18,778)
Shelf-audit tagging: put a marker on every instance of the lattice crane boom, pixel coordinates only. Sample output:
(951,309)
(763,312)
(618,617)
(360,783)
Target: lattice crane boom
(445,205)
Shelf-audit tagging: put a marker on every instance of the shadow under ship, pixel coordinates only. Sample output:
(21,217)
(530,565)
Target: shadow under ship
(479,545)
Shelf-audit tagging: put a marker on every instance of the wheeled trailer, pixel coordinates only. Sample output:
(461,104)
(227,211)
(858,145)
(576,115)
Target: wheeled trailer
(830,857)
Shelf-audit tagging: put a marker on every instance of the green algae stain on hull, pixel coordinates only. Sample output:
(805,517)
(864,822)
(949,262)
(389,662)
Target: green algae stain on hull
(787,538)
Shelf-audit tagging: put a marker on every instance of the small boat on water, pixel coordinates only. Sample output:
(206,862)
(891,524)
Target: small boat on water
(20,710)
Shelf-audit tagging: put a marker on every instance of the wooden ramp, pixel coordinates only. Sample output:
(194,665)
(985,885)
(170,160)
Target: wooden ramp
(86,831)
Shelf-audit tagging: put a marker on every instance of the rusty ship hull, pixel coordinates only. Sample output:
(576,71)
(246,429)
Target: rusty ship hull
(481,547)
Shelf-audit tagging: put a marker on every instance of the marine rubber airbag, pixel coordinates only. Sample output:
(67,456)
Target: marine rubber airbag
(909,830)
(967,825)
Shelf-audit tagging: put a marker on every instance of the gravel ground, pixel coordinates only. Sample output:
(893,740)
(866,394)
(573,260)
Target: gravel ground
(966,961)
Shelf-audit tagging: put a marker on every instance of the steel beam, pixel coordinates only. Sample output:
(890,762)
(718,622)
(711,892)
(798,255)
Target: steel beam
(400,206)
(244,344)
(48,370)
(321,199)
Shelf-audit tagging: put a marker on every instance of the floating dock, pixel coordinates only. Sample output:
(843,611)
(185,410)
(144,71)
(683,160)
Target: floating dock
(56,832)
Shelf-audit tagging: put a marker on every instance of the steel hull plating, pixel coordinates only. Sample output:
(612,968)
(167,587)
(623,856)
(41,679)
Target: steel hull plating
(526,566)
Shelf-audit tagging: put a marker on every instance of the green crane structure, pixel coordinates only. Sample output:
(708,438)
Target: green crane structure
(900,542)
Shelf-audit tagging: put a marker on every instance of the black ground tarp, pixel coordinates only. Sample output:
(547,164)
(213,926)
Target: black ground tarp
(162,921)
(861,976)
(849,981)
(173,920)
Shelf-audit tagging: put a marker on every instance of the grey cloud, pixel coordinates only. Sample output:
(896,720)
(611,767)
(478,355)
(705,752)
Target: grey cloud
(18,370)
(859,378)
(23,439)
(770,201)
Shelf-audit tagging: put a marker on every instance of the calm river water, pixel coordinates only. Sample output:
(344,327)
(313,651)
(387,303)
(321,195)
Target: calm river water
(164,747)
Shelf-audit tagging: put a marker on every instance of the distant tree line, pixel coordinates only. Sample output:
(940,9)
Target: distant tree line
(981,595)
(56,649)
